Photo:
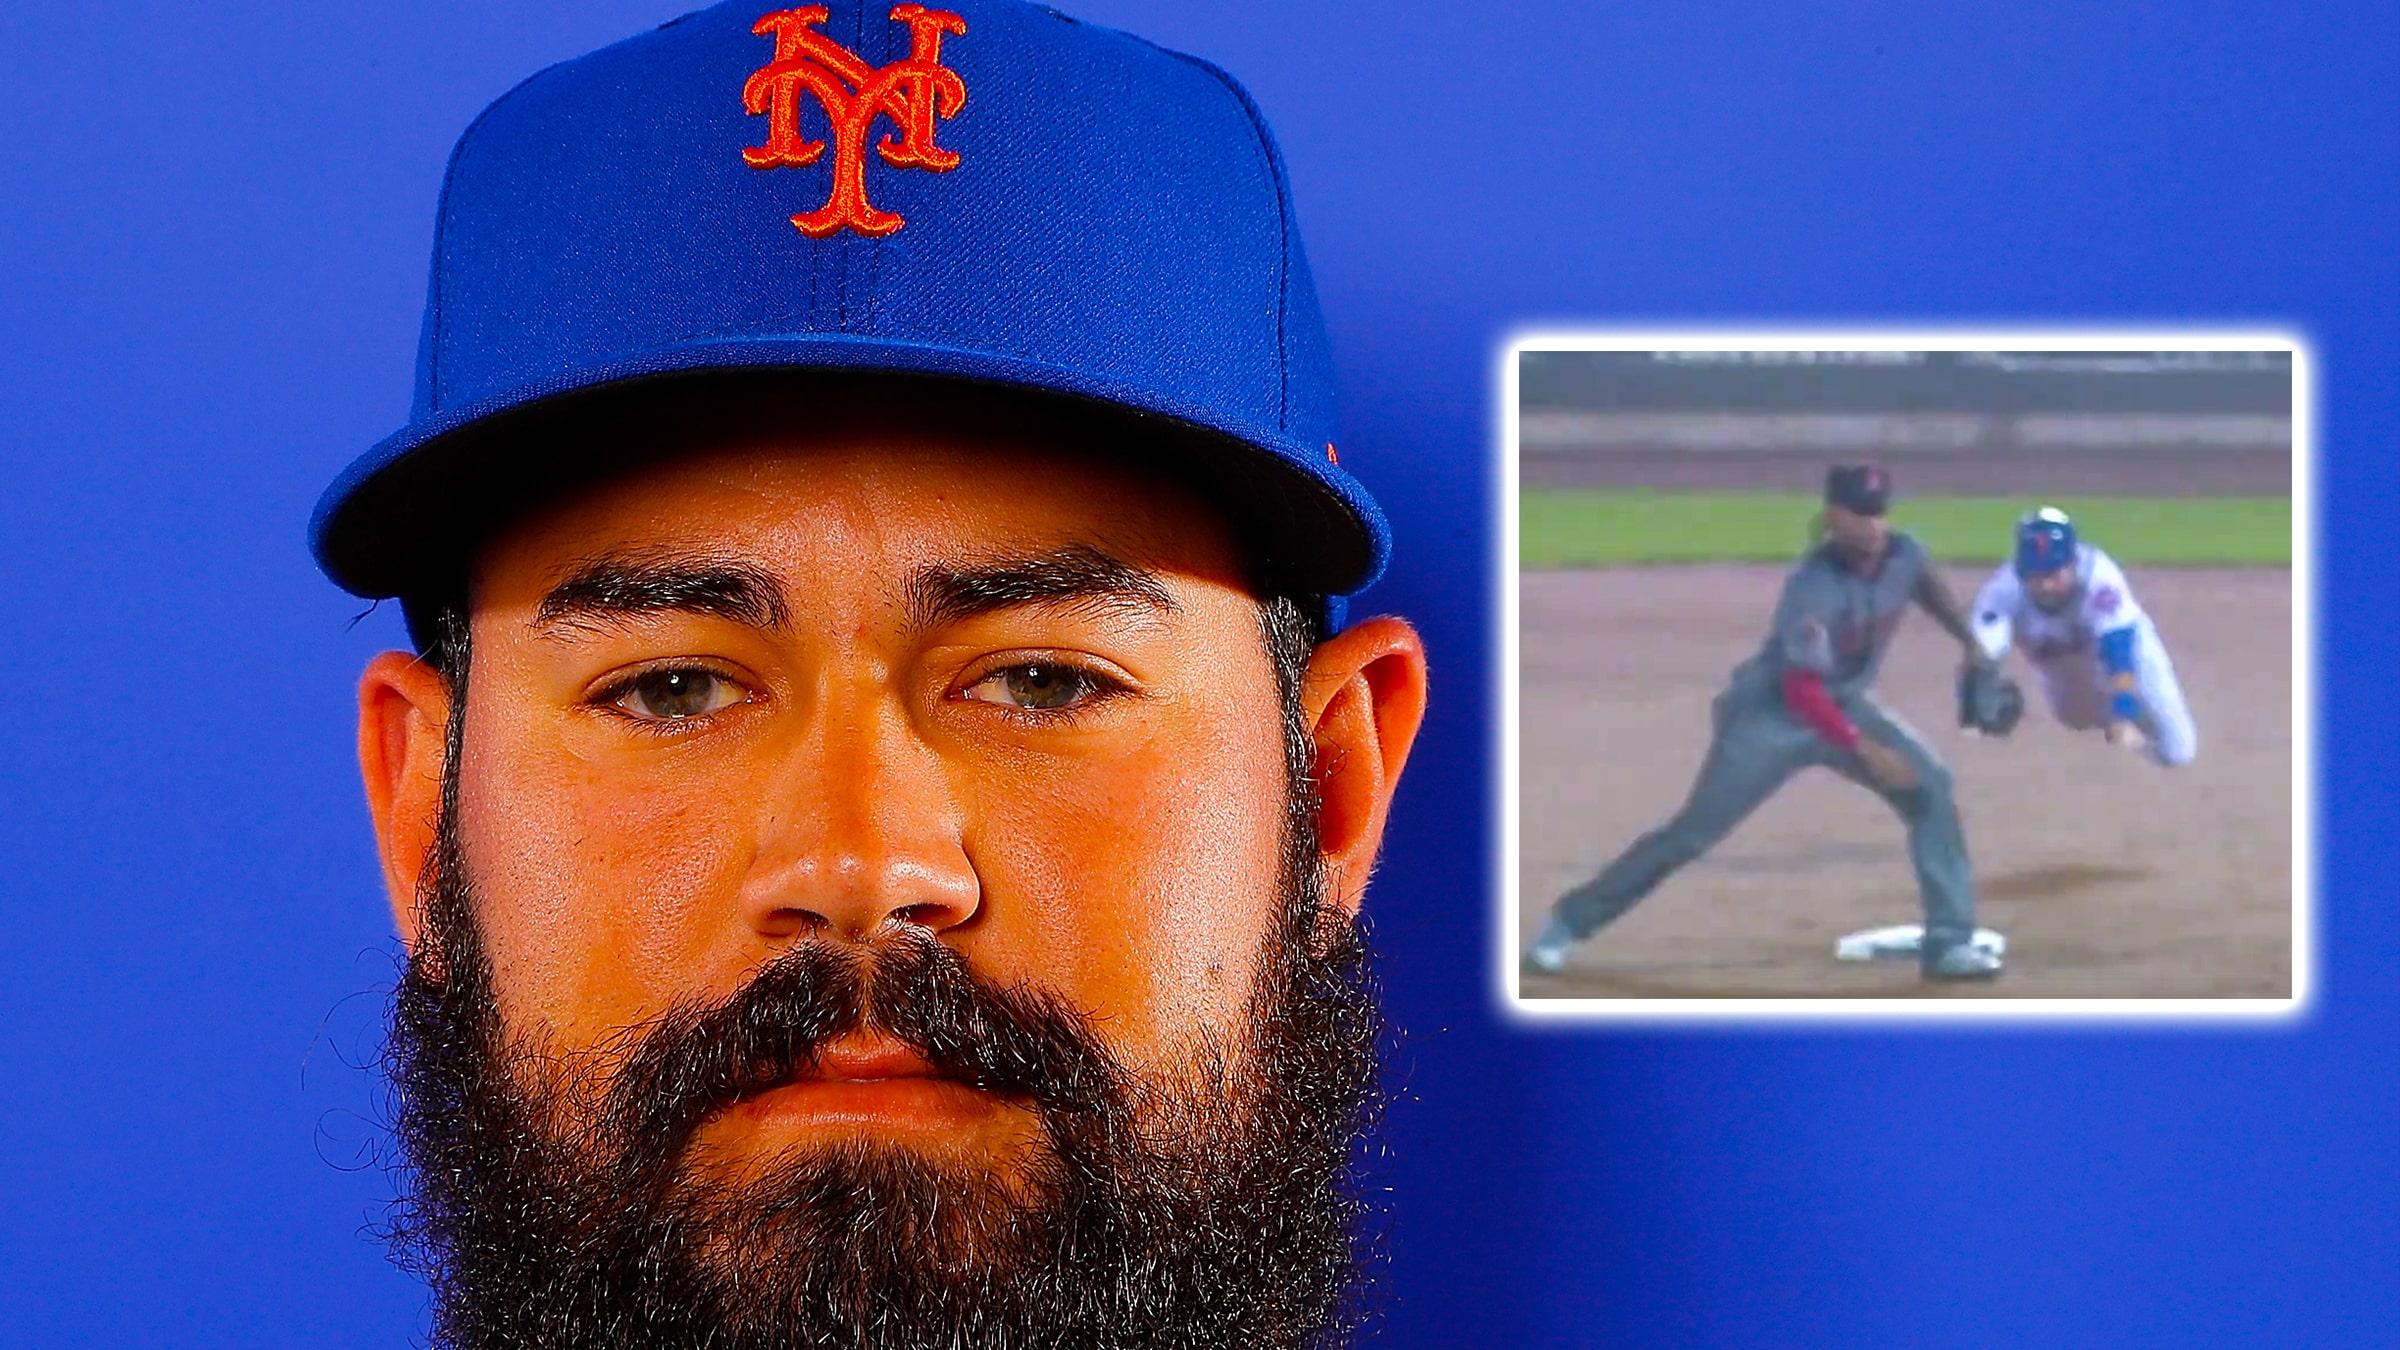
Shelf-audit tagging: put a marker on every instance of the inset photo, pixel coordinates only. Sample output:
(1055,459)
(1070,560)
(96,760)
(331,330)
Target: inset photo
(1905,674)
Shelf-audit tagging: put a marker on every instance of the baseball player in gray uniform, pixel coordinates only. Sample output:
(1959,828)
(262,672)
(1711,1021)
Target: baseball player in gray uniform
(1803,700)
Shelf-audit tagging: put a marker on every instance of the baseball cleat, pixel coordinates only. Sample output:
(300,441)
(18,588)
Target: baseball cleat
(1548,954)
(1962,961)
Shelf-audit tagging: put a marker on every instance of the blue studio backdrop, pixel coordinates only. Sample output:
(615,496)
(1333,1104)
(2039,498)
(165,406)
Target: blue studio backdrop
(216,222)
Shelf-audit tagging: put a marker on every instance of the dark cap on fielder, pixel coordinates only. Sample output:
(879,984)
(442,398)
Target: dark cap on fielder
(1864,488)
(989,196)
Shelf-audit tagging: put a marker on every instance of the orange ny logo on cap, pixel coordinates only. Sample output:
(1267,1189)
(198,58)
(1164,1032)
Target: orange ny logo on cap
(913,92)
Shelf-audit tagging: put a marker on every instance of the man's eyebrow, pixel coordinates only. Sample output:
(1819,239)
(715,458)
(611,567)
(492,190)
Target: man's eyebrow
(1077,577)
(614,587)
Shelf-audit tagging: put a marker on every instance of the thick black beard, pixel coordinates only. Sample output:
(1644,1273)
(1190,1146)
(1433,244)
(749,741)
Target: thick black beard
(549,1202)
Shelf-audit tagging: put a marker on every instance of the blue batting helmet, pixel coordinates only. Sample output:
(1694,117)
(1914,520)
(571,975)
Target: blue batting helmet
(2045,542)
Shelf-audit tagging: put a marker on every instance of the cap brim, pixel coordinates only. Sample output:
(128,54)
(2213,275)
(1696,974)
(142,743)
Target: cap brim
(405,511)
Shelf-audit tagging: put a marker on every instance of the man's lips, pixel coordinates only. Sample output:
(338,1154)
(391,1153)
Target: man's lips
(868,1081)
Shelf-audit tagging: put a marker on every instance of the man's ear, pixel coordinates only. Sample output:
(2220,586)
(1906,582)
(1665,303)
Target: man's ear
(403,726)
(1364,697)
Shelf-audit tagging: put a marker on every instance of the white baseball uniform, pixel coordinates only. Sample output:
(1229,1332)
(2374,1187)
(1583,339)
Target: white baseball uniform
(2063,647)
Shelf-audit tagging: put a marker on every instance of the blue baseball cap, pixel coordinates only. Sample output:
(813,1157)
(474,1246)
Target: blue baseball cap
(988,195)
(2045,542)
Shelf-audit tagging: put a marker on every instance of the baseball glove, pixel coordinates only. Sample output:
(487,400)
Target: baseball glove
(1988,701)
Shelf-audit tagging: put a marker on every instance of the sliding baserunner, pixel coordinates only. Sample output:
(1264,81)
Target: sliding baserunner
(2066,605)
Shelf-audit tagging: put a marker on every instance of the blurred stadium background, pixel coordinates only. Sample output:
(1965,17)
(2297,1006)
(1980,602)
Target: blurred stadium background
(2181,457)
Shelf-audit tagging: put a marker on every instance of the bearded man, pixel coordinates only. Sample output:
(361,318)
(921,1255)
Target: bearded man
(879,808)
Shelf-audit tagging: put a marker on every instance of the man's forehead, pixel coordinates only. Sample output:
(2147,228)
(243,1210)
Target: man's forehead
(792,515)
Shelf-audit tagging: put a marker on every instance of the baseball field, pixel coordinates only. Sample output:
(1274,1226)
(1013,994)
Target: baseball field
(2110,876)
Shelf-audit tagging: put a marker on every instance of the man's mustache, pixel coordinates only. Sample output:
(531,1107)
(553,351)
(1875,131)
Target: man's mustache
(1019,1042)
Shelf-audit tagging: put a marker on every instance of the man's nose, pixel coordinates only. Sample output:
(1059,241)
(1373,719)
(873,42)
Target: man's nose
(863,832)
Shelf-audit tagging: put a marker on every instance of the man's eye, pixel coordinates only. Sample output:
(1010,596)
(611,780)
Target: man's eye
(672,695)
(1036,686)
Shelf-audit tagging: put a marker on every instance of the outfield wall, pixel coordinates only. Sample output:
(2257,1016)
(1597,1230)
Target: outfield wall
(2174,424)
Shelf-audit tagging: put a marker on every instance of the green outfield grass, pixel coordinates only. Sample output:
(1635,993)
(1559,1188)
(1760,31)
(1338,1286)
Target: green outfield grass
(1575,527)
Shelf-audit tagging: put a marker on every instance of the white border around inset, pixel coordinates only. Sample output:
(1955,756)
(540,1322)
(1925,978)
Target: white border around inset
(1949,1011)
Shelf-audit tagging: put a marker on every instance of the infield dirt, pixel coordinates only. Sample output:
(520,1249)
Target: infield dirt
(2110,876)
